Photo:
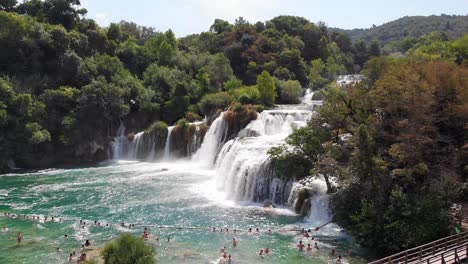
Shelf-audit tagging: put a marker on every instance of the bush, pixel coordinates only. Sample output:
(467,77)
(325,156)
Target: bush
(247,95)
(291,91)
(214,101)
(192,117)
(128,249)
(158,127)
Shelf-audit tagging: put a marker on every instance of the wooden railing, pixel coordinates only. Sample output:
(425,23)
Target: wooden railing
(452,249)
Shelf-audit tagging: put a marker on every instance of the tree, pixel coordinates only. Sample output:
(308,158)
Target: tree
(267,88)
(220,26)
(128,249)
(290,92)
(317,75)
(8,5)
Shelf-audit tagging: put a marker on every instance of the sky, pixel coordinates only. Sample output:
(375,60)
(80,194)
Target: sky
(186,17)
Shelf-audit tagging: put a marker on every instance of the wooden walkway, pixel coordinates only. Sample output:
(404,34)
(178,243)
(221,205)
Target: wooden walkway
(448,250)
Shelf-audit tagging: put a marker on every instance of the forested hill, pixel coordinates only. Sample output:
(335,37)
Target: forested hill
(411,26)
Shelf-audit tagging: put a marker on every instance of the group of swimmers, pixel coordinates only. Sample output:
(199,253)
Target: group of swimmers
(146,234)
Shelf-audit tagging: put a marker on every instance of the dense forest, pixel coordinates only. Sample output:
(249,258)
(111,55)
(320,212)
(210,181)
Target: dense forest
(396,143)
(66,82)
(399,35)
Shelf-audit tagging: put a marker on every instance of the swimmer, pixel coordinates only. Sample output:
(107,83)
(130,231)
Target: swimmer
(227,230)
(83,249)
(225,255)
(306,234)
(234,242)
(260,253)
(332,252)
(122,224)
(19,238)
(214,229)
(70,258)
(338,261)
(229,259)
(316,246)
(250,230)
(257,230)
(87,243)
(66,236)
(168,240)
(52,219)
(5,229)
(309,248)
(267,250)
(300,246)
(222,250)
(59,250)
(235,230)
(269,231)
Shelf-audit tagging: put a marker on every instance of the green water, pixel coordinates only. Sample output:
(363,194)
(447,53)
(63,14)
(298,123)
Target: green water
(147,194)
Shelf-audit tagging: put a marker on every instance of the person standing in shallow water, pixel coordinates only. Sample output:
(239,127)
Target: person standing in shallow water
(19,238)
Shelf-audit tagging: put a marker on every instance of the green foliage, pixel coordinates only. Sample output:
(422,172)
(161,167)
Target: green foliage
(290,92)
(128,249)
(267,88)
(158,127)
(317,75)
(247,95)
(215,101)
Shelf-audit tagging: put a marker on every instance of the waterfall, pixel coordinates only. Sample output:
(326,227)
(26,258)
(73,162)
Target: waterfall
(215,136)
(119,143)
(242,167)
(167,146)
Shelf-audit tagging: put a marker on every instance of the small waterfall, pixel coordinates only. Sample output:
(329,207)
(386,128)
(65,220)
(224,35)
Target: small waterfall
(215,136)
(135,146)
(167,146)
(120,143)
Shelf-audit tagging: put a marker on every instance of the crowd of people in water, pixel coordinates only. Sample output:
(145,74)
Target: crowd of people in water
(225,257)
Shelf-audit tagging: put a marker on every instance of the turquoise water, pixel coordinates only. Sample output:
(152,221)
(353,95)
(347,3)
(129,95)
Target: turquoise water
(153,195)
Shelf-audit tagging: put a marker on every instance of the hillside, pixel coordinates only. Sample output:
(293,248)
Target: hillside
(412,26)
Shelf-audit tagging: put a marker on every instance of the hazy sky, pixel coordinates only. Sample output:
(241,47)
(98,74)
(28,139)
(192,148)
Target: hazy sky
(194,16)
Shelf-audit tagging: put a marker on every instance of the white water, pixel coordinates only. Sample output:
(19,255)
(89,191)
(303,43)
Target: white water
(167,146)
(214,139)
(119,144)
(241,165)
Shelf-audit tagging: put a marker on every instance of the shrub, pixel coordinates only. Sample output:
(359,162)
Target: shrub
(247,95)
(158,127)
(192,117)
(128,249)
(214,101)
(291,91)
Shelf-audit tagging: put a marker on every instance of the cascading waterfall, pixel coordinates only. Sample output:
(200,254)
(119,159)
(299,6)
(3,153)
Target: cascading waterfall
(120,143)
(212,142)
(167,146)
(243,168)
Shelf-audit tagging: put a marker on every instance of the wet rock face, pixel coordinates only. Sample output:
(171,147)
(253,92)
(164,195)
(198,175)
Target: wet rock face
(302,196)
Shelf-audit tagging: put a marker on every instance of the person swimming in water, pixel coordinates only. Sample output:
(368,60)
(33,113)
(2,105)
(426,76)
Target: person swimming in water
(260,253)
(316,246)
(267,250)
(87,243)
(338,261)
(309,248)
(229,259)
(234,242)
(300,246)
(5,229)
